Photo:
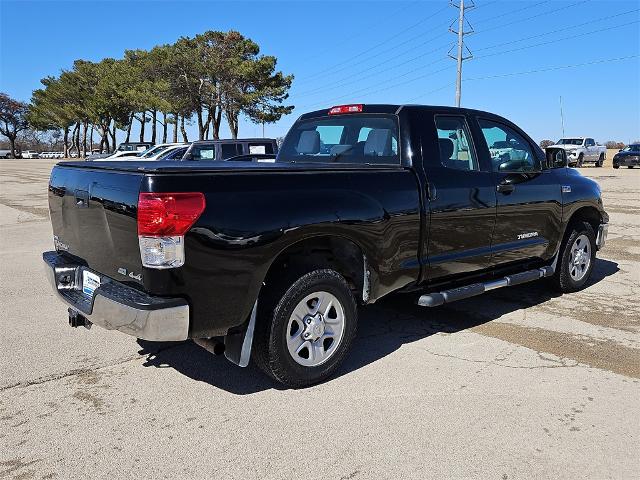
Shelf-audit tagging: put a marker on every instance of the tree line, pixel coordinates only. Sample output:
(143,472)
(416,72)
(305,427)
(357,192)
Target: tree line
(210,78)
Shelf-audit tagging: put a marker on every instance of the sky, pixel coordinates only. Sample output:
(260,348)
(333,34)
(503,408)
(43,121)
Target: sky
(526,54)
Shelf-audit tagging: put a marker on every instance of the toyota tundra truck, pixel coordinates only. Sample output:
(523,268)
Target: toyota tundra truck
(272,261)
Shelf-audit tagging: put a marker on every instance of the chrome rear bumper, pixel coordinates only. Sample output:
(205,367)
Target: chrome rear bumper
(115,306)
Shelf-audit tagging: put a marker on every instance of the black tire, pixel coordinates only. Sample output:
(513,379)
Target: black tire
(616,166)
(270,351)
(562,279)
(580,161)
(600,161)
(630,166)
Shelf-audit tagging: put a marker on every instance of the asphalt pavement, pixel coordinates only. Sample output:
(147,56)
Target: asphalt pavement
(519,383)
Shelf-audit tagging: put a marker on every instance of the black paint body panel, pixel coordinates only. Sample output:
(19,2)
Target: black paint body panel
(418,224)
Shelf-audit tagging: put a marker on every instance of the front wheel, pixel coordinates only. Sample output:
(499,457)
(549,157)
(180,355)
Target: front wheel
(630,166)
(616,166)
(304,335)
(580,161)
(577,257)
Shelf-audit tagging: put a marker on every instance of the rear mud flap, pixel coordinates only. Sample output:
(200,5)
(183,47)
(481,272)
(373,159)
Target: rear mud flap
(237,346)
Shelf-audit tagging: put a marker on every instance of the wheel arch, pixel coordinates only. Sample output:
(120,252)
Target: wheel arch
(337,252)
(587,213)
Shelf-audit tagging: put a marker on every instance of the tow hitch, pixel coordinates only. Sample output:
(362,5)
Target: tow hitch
(78,320)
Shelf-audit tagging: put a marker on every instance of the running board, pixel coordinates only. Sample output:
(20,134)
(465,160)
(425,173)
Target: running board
(447,296)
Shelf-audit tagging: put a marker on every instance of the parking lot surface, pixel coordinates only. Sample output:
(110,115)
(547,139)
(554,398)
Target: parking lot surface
(519,383)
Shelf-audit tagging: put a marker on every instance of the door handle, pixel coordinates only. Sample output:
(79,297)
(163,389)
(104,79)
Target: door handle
(505,188)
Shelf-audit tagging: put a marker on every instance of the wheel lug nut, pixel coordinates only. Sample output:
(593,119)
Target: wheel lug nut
(308,321)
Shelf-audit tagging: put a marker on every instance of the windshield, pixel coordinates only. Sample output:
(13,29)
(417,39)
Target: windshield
(631,148)
(351,138)
(569,141)
(153,151)
(172,154)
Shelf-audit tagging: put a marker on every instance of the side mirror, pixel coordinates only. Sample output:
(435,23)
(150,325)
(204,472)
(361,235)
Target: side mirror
(556,157)
(619,150)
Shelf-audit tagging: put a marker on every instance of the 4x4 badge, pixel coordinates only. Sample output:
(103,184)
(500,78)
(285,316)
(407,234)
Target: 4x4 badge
(566,188)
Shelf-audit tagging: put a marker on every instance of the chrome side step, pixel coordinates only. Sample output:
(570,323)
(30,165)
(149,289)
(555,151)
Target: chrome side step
(447,296)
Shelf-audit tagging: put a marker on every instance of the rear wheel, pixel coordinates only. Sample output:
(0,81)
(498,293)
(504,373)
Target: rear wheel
(616,166)
(600,161)
(577,257)
(303,336)
(630,166)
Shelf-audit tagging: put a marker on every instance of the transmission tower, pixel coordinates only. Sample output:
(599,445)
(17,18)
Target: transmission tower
(461,48)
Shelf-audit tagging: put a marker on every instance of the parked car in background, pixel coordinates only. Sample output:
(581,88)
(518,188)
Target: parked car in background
(581,150)
(174,153)
(5,153)
(29,154)
(151,154)
(628,157)
(225,149)
(134,146)
(269,261)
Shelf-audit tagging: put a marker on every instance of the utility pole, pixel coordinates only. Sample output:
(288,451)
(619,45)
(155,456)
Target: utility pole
(561,116)
(460,57)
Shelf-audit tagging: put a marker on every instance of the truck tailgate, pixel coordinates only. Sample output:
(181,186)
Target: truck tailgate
(93,214)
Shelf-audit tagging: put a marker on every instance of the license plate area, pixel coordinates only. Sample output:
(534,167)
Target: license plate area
(90,281)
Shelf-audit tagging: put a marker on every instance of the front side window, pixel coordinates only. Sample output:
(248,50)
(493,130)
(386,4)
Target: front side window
(454,143)
(509,150)
(350,138)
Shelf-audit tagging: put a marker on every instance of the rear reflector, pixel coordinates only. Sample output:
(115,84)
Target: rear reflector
(345,109)
(168,214)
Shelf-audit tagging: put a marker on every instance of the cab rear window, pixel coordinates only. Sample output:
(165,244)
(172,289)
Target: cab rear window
(349,138)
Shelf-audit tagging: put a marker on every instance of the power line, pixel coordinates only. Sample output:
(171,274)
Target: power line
(549,69)
(362,32)
(511,12)
(383,89)
(503,25)
(347,62)
(564,29)
(559,39)
(360,78)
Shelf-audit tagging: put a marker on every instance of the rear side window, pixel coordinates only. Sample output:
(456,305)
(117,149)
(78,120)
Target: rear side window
(229,150)
(260,148)
(509,150)
(454,143)
(351,138)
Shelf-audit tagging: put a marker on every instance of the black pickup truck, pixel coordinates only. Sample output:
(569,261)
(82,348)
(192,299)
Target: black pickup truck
(270,261)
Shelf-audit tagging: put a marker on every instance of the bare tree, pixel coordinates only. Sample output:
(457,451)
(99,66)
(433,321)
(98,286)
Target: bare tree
(13,119)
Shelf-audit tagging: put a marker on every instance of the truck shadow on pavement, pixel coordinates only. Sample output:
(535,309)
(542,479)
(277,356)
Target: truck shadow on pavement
(382,329)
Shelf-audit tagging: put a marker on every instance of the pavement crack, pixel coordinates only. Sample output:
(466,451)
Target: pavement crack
(81,371)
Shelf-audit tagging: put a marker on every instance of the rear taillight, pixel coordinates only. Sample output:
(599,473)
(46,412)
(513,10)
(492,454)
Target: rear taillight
(163,220)
(340,109)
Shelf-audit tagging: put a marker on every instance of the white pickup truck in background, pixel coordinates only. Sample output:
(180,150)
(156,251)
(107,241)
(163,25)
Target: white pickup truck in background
(581,150)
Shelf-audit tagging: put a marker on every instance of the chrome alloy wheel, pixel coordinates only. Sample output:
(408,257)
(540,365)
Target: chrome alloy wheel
(580,258)
(315,329)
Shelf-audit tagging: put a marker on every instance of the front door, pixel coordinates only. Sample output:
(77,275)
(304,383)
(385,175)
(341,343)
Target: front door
(529,198)
(462,199)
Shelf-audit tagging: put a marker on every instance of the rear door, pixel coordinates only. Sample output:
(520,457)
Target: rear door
(462,198)
(529,199)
